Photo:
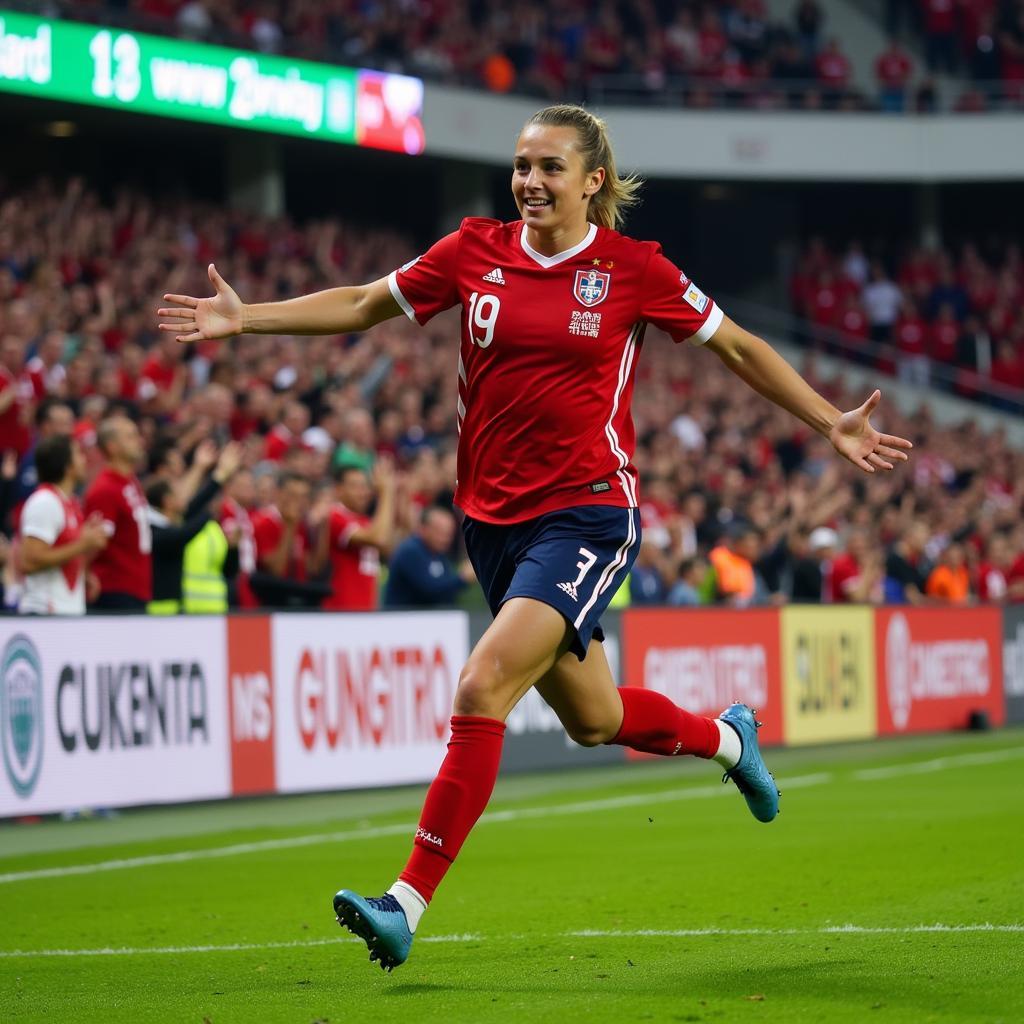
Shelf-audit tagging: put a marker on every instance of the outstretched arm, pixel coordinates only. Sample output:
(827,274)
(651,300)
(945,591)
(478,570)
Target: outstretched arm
(334,311)
(850,433)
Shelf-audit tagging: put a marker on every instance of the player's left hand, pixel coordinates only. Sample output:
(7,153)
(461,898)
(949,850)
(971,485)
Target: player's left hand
(855,439)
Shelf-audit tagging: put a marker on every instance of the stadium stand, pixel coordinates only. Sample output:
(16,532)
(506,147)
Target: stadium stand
(79,278)
(943,316)
(745,53)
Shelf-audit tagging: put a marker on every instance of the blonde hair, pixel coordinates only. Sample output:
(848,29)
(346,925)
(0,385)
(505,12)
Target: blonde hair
(608,206)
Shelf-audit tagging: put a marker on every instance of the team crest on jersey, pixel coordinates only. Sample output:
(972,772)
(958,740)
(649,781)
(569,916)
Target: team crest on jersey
(591,287)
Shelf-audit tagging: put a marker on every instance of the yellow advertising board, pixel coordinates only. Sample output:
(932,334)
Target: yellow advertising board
(828,674)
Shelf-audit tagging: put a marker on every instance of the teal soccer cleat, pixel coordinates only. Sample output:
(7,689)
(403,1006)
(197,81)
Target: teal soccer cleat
(380,922)
(751,776)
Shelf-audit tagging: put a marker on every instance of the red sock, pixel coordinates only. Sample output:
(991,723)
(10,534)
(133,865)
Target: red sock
(455,800)
(653,724)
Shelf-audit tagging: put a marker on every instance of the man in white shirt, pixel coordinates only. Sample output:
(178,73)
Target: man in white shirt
(56,544)
(882,299)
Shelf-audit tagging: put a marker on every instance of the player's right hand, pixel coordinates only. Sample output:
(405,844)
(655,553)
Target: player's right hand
(219,316)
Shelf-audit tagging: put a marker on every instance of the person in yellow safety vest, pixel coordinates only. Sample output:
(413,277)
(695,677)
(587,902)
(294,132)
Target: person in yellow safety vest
(210,558)
(735,581)
(173,525)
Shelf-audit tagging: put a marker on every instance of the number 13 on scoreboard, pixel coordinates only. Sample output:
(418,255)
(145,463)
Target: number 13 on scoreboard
(116,66)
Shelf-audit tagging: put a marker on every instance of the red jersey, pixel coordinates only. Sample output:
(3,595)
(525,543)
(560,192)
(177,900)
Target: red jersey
(845,574)
(268,527)
(13,431)
(893,68)
(124,566)
(160,373)
(354,567)
(991,582)
(548,359)
(233,515)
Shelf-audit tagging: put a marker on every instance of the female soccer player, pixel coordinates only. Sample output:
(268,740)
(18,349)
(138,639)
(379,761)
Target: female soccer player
(554,311)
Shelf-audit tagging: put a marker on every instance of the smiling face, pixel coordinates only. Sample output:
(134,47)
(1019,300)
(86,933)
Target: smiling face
(551,185)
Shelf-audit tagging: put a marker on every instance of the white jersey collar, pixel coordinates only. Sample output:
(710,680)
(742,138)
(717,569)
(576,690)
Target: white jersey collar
(553,261)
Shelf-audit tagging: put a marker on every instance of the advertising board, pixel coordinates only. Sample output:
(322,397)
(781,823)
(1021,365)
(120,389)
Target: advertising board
(1013,662)
(938,665)
(828,674)
(363,700)
(96,714)
(704,659)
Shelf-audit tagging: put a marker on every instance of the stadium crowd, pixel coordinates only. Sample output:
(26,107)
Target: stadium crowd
(703,53)
(293,467)
(952,319)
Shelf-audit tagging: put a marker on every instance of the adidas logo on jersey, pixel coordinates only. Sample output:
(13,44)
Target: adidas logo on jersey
(570,589)
(495,276)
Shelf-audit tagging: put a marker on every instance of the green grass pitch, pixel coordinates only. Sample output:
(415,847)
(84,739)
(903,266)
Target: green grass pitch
(891,888)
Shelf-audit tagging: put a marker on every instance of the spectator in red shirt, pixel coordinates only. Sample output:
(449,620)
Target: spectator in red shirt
(287,434)
(602,44)
(910,333)
(124,567)
(893,69)
(833,69)
(1007,373)
(285,560)
(45,369)
(858,574)
(164,377)
(853,322)
(16,396)
(943,336)
(355,541)
(992,572)
(236,521)
(712,43)
(824,299)
(940,35)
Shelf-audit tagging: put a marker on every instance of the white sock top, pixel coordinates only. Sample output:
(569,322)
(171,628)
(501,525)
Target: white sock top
(730,747)
(411,902)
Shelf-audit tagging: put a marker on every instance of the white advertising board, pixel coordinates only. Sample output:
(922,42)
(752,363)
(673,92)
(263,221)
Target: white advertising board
(363,700)
(109,712)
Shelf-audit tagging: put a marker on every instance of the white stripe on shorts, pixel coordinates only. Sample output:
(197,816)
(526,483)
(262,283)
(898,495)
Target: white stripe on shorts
(621,556)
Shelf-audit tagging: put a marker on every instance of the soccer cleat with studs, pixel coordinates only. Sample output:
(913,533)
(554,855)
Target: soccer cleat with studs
(380,922)
(750,774)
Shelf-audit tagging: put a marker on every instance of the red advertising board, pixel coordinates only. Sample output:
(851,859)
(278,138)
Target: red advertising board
(705,660)
(251,704)
(937,665)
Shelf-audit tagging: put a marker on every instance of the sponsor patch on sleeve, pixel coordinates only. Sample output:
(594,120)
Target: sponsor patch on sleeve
(696,298)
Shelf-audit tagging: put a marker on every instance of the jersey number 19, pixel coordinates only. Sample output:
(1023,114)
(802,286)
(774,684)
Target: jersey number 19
(482,314)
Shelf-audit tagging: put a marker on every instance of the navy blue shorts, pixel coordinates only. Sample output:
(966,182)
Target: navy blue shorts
(574,560)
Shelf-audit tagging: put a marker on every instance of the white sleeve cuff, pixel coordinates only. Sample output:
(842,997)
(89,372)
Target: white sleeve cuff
(713,322)
(400,298)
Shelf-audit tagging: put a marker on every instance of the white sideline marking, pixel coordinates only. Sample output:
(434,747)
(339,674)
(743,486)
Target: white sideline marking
(520,814)
(839,929)
(643,933)
(939,763)
(234,947)
(405,828)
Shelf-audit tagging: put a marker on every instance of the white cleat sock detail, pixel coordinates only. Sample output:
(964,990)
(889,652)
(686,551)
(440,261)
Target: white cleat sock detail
(411,902)
(730,749)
